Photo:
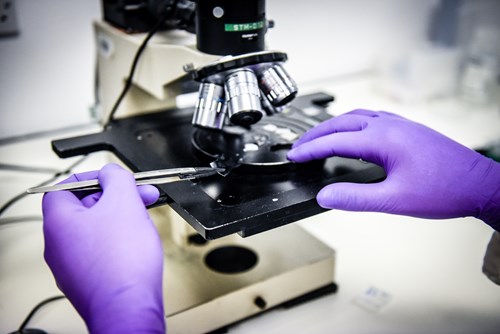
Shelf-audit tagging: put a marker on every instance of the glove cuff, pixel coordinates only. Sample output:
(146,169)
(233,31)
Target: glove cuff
(140,311)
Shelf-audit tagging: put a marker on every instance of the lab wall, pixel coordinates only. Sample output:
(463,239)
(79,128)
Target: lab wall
(331,38)
(47,69)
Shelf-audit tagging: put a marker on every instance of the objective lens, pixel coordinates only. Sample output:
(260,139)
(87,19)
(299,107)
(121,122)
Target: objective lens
(210,108)
(243,97)
(268,107)
(277,85)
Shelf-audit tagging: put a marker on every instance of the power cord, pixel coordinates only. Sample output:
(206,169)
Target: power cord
(141,48)
(16,198)
(22,219)
(28,169)
(23,330)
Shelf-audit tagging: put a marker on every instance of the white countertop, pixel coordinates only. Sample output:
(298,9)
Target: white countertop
(427,272)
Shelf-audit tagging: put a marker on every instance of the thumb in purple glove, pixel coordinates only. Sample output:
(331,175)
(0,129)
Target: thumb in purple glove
(105,253)
(428,174)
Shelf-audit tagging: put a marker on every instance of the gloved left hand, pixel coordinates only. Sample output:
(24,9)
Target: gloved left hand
(428,174)
(105,253)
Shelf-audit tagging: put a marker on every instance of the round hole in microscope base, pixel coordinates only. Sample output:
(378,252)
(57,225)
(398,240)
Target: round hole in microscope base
(231,259)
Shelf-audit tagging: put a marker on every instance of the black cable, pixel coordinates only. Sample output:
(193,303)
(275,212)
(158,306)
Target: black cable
(46,133)
(21,219)
(35,309)
(97,83)
(29,169)
(52,179)
(11,202)
(141,48)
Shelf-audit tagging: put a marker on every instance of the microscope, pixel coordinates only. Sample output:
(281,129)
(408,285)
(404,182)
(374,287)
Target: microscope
(231,251)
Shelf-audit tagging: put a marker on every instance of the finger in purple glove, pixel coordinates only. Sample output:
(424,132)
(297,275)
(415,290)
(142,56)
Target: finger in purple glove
(428,174)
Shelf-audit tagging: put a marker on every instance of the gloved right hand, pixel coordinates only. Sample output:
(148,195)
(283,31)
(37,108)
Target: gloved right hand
(105,253)
(428,174)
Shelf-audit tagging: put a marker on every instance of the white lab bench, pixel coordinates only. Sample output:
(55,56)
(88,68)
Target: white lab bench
(395,274)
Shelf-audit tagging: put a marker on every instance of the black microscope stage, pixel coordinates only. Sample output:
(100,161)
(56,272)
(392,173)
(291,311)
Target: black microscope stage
(262,192)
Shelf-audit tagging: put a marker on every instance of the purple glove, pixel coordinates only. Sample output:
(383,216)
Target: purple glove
(428,174)
(105,253)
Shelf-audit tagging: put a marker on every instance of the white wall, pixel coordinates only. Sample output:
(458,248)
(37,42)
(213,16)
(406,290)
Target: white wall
(46,73)
(328,38)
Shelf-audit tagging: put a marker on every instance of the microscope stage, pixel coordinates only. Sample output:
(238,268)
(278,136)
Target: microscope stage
(262,192)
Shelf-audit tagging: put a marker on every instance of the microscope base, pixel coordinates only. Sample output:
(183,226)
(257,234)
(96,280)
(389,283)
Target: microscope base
(290,264)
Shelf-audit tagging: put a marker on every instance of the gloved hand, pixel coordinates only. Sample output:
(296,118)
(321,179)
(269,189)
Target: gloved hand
(105,253)
(428,174)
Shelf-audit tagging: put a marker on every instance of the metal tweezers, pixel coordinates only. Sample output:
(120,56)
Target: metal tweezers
(160,176)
